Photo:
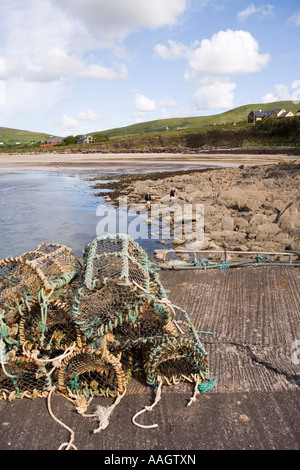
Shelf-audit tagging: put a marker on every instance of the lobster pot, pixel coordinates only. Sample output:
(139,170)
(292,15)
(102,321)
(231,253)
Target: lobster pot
(153,321)
(125,312)
(117,258)
(24,277)
(22,377)
(116,243)
(28,282)
(155,286)
(64,262)
(178,355)
(20,282)
(50,331)
(175,360)
(87,374)
(100,310)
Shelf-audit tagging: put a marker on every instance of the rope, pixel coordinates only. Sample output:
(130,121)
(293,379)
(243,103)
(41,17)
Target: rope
(56,361)
(196,391)
(163,301)
(68,445)
(102,414)
(2,347)
(149,408)
(295,378)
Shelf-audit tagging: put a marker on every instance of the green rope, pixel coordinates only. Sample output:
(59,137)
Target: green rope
(207,385)
(74,383)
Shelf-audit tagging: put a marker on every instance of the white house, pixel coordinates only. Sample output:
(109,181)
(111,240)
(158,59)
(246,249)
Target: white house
(255,116)
(85,139)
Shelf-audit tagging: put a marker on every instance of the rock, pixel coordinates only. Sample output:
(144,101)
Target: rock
(165,199)
(256,220)
(177,241)
(160,254)
(227,223)
(266,231)
(241,224)
(195,246)
(243,198)
(289,219)
(185,257)
(210,245)
(209,211)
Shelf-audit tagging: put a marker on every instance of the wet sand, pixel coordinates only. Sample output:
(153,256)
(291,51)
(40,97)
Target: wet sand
(139,161)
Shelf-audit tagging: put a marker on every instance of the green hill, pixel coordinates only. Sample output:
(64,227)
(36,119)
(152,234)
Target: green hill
(10,136)
(226,129)
(235,116)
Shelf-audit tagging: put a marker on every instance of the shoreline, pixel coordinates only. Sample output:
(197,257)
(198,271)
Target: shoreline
(248,208)
(122,160)
(251,202)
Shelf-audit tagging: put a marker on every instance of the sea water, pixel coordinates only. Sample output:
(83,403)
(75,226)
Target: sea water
(52,206)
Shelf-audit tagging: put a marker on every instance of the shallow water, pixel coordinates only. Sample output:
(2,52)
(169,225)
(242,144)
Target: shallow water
(51,206)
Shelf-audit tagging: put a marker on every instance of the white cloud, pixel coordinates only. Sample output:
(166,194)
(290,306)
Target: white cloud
(142,103)
(89,115)
(295,19)
(262,12)
(56,63)
(43,43)
(71,122)
(174,51)
(215,94)
(227,53)
(68,122)
(145,104)
(31,99)
(113,20)
(46,45)
(281,92)
(74,125)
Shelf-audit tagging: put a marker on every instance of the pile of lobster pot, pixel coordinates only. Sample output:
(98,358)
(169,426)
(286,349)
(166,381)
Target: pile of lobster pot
(82,327)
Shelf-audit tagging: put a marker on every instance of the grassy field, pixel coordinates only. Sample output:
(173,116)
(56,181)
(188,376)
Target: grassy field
(11,136)
(195,132)
(237,116)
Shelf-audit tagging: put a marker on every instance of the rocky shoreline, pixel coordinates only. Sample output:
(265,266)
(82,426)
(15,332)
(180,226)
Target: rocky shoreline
(248,208)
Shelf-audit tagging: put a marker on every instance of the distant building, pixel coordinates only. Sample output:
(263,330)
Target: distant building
(259,115)
(50,142)
(85,139)
(287,114)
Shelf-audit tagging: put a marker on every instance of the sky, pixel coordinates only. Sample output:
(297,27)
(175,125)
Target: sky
(70,67)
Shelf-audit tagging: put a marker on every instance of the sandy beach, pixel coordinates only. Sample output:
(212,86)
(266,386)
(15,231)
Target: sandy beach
(137,160)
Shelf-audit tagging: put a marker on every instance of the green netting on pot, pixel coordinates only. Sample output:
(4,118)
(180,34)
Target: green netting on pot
(87,374)
(118,258)
(52,337)
(176,357)
(23,377)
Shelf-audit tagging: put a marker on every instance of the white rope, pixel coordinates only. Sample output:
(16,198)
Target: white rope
(149,408)
(102,413)
(68,445)
(56,360)
(196,391)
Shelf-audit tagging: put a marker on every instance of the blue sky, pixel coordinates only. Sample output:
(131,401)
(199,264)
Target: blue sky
(70,67)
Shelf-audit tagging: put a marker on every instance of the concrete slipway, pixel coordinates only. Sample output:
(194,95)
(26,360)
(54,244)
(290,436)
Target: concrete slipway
(253,406)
